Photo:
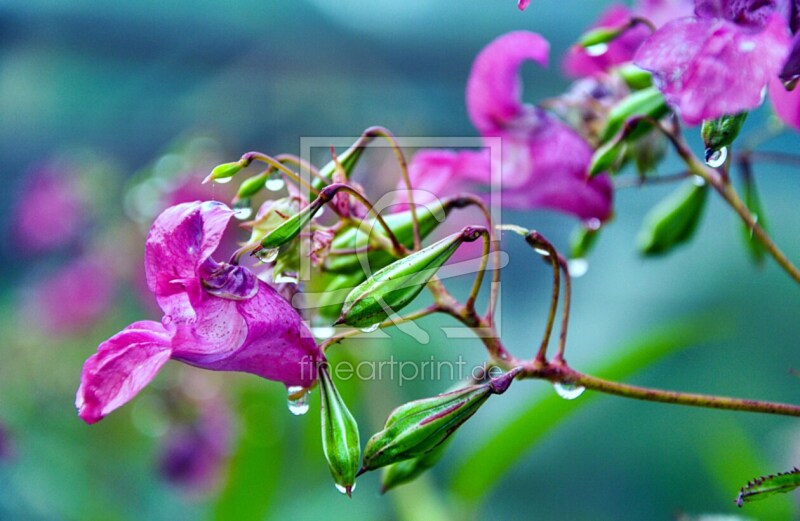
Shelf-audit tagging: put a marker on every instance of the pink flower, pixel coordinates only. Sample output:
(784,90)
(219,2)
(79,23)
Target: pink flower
(50,211)
(523,4)
(75,297)
(786,103)
(720,61)
(544,162)
(217,316)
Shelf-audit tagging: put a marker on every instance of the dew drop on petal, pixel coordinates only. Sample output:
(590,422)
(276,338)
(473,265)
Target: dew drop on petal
(370,329)
(717,158)
(242,212)
(299,405)
(577,267)
(597,49)
(344,490)
(223,180)
(567,390)
(267,254)
(274,183)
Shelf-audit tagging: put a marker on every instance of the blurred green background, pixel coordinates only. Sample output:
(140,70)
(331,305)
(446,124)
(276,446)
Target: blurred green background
(106,93)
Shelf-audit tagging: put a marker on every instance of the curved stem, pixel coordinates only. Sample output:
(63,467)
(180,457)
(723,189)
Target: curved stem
(274,163)
(476,286)
(562,339)
(302,163)
(544,247)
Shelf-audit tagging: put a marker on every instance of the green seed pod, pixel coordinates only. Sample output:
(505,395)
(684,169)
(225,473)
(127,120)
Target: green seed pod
(416,428)
(634,77)
(600,36)
(290,228)
(606,158)
(721,132)
(674,220)
(224,172)
(347,160)
(391,288)
(340,441)
(646,102)
(582,240)
(251,186)
(401,224)
(408,470)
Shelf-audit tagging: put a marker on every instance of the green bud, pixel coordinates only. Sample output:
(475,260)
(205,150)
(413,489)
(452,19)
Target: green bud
(224,172)
(721,132)
(606,158)
(251,186)
(634,77)
(392,288)
(340,441)
(647,102)
(600,36)
(416,428)
(401,224)
(334,290)
(674,220)
(291,227)
(408,470)
(582,240)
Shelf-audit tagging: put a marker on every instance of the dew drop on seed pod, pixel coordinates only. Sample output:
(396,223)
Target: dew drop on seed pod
(223,180)
(242,213)
(542,252)
(267,254)
(274,183)
(717,157)
(597,49)
(370,329)
(568,391)
(322,332)
(577,267)
(344,490)
(300,405)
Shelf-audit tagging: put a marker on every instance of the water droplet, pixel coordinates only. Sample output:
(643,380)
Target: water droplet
(598,49)
(267,254)
(542,252)
(323,332)
(275,183)
(698,181)
(791,83)
(716,158)
(285,278)
(747,46)
(593,224)
(242,211)
(370,329)
(577,267)
(223,180)
(568,390)
(300,404)
(346,490)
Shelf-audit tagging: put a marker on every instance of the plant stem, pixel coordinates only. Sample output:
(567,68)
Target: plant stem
(274,163)
(476,286)
(542,245)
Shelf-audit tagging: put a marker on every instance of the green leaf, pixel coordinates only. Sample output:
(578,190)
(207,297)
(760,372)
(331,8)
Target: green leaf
(646,102)
(764,486)
(674,220)
(504,447)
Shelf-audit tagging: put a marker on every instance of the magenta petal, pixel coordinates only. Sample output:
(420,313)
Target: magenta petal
(436,173)
(523,4)
(122,366)
(264,336)
(494,88)
(785,103)
(181,239)
(559,176)
(229,281)
(710,68)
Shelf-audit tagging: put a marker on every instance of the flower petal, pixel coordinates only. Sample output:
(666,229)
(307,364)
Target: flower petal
(710,68)
(181,239)
(122,366)
(494,89)
(785,103)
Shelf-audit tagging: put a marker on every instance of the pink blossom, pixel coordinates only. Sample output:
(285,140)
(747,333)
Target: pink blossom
(786,103)
(544,162)
(720,61)
(217,316)
(523,4)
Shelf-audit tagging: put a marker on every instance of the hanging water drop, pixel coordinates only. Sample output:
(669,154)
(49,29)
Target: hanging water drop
(716,158)
(242,210)
(577,267)
(274,183)
(223,180)
(285,278)
(542,252)
(267,254)
(568,390)
(593,224)
(598,49)
(346,490)
(698,181)
(370,329)
(791,83)
(322,332)
(298,403)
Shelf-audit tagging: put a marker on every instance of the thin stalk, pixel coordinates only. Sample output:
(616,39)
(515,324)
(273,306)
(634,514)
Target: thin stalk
(538,242)
(302,163)
(434,308)
(274,163)
(476,286)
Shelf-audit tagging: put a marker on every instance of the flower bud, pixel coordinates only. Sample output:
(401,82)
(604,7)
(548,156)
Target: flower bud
(721,132)
(252,186)
(290,228)
(224,172)
(606,158)
(408,470)
(416,428)
(401,224)
(601,35)
(644,103)
(340,441)
(392,288)
(347,160)
(634,77)
(582,240)
(673,220)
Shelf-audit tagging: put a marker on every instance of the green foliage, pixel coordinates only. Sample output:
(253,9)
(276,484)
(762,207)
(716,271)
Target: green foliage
(674,220)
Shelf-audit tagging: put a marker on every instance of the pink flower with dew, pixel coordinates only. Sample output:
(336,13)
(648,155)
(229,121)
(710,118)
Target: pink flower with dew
(543,164)
(720,61)
(217,316)
(50,212)
(74,298)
